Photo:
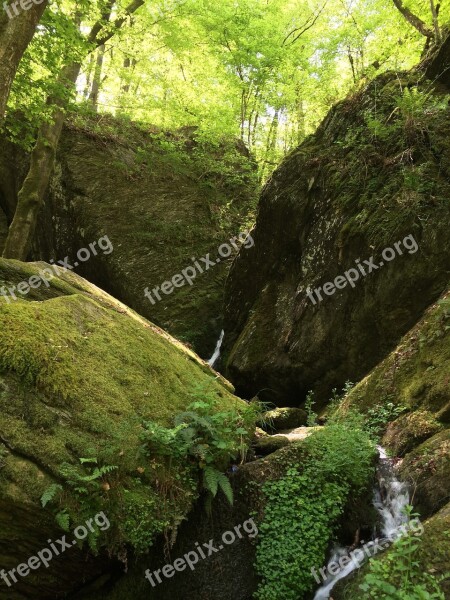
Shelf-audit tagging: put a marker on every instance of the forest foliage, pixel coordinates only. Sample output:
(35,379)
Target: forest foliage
(264,71)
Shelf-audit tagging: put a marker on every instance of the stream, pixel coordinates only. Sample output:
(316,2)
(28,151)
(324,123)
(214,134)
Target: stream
(390,497)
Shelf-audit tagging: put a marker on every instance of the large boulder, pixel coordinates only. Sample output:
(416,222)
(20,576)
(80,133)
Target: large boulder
(373,181)
(161,198)
(79,373)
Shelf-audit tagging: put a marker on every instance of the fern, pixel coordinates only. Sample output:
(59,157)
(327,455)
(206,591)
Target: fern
(214,479)
(211,480)
(225,486)
(50,493)
(63,520)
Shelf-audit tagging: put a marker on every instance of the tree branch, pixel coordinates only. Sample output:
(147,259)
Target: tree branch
(413,19)
(309,23)
(115,25)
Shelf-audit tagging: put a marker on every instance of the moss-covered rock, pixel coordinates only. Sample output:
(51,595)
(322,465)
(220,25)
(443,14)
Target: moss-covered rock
(280,419)
(427,470)
(375,174)
(79,372)
(415,374)
(162,199)
(408,431)
(270,443)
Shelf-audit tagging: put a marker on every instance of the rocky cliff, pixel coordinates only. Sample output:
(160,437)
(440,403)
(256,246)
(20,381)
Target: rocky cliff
(351,242)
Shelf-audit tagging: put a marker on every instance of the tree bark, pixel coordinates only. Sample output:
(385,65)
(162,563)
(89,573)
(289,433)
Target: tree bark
(93,96)
(437,67)
(435,15)
(15,35)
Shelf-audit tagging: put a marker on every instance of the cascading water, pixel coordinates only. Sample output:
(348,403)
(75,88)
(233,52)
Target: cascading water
(215,357)
(390,498)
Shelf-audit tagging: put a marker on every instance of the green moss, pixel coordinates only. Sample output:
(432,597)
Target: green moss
(415,374)
(79,372)
(408,431)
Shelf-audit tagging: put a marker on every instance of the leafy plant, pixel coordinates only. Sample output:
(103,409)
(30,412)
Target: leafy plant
(85,485)
(309,404)
(399,575)
(206,437)
(381,414)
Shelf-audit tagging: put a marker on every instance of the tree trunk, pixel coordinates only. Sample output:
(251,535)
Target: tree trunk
(435,15)
(31,196)
(89,71)
(128,63)
(15,35)
(438,66)
(93,96)
(413,19)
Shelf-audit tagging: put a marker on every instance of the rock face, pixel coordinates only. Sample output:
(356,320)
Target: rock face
(79,372)
(376,175)
(162,199)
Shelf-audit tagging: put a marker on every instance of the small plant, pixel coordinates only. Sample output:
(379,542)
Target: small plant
(303,507)
(381,414)
(311,420)
(85,485)
(337,398)
(399,575)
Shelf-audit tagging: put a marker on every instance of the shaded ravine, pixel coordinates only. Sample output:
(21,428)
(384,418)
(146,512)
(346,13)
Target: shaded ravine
(390,498)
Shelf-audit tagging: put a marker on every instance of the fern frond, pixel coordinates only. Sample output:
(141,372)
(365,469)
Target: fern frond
(63,520)
(211,480)
(225,486)
(50,493)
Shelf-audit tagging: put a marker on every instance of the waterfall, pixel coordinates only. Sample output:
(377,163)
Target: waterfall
(390,498)
(215,357)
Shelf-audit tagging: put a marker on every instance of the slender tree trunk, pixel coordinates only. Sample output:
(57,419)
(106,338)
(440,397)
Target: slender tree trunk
(32,194)
(301,117)
(128,63)
(435,15)
(93,96)
(89,71)
(15,35)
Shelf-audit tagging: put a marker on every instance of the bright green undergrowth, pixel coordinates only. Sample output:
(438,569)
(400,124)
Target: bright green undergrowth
(303,507)
(178,464)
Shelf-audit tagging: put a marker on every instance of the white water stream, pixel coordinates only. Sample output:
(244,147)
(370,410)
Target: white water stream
(215,357)
(390,498)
